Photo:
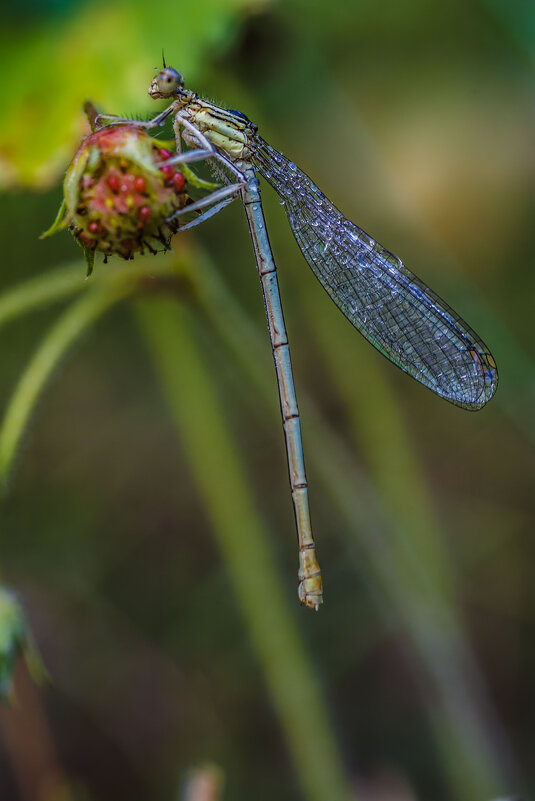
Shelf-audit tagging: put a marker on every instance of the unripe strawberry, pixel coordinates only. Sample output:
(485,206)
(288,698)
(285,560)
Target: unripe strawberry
(116,200)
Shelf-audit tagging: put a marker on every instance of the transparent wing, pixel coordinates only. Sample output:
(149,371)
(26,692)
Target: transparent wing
(404,319)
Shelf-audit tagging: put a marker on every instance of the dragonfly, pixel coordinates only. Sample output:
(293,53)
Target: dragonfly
(393,309)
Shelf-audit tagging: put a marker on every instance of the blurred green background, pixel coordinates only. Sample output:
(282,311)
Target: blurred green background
(147,513)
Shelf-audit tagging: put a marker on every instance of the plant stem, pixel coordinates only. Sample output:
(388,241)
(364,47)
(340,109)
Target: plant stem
(73,322)
(48,288)
(63,282)
(243,539)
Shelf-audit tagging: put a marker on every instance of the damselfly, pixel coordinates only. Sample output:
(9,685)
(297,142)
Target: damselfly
(405,320)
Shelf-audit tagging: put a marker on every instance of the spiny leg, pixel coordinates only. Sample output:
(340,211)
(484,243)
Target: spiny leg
(205,151)
(187,156)
(148,124)
(208,150)
(206,215)
(220,196)
(205,144)
(176,129)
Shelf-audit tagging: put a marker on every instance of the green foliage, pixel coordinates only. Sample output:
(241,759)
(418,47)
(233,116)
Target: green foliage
(102,51)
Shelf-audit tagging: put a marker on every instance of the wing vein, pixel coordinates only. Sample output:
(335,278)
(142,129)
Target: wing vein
(404,319)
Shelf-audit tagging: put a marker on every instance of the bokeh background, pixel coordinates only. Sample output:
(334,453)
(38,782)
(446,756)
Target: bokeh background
(147,525)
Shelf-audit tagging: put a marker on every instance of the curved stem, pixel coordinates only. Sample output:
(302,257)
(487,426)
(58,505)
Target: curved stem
(63,282)
(48,288)
(62,335)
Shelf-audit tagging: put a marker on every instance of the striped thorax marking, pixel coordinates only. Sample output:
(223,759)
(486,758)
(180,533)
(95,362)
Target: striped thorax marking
(228,131)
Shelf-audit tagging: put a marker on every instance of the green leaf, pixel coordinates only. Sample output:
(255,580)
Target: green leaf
(103,51)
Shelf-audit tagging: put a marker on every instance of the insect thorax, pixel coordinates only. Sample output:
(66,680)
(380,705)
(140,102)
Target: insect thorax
(229,133)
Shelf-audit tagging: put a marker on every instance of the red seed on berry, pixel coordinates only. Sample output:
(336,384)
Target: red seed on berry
(113,182)
(167,171)
(140,185)
(179,182)
(165,154)
(94,227)
(145,213)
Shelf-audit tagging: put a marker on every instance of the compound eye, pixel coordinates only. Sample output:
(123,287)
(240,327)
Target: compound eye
(169,80)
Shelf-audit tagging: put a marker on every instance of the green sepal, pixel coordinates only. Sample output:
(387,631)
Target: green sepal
(71,182)
(58,223)
(89,254)
(194,180)
(169,144)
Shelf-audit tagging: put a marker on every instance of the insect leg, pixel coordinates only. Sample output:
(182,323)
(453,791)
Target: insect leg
(148,124)
(205,144)
(214,197)
(207,214)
